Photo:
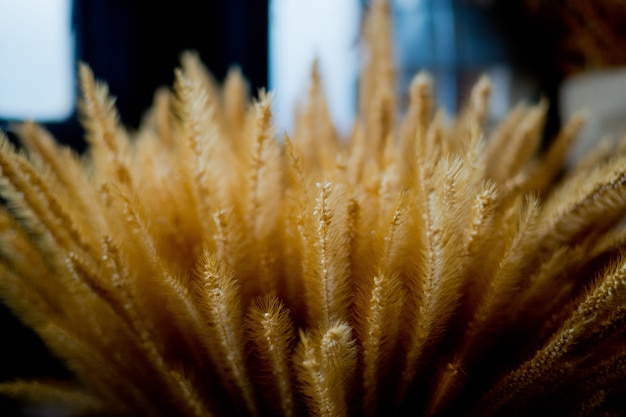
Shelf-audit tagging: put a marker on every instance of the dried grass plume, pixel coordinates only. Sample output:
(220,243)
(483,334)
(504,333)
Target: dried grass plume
(207,265)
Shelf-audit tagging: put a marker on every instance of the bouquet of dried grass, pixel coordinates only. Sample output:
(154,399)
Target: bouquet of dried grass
(202,266)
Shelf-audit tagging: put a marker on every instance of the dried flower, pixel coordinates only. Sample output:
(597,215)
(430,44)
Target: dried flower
(202,266)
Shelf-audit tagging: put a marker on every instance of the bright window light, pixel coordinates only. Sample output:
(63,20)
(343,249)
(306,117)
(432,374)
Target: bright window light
(299,32)
(38,69)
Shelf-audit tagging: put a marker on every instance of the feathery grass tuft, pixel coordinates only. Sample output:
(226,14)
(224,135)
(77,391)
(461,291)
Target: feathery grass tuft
(206,266)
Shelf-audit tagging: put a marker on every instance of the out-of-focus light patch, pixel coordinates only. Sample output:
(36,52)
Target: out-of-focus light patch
(37,70)
(301,31)
(501,78)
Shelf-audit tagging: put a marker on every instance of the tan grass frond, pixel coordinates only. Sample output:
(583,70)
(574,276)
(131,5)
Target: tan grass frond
(64,165)
(473,115)
(18,252)
(35,197)
(177,387)
(325,361)
(264,178)
(522,145)
(482,218)
(380,306)
(379,336)
(272,331)
(314,134)
(503,286)
(589,200)
(553,162)
(438,293)
(192,65)
(419,113)
(378,75)
(204,151)
(105,135)
(235,96)
(589,405)
(609,293)
(54,396)
(221,307)
(500,138)
(328,269)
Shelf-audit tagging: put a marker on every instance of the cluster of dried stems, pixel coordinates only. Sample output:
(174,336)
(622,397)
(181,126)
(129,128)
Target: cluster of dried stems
(202,266)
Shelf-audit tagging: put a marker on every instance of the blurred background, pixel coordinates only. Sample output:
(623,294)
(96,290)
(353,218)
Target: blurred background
(527,47)
(133,45)
(570,51)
